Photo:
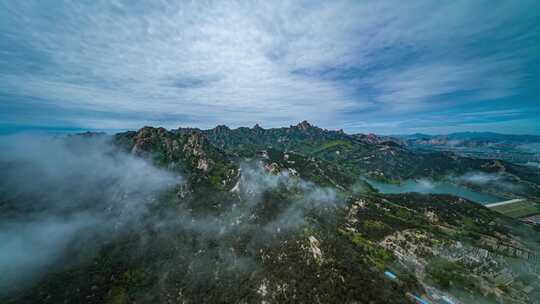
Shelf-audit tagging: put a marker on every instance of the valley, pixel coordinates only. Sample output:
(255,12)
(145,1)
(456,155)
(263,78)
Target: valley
(424,186)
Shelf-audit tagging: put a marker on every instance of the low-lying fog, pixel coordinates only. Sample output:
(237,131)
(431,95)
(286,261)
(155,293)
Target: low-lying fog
(57,192)
(427,186)
(61,197)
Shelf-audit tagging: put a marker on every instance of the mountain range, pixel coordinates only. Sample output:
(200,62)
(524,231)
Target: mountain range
(520,149)
(254,215)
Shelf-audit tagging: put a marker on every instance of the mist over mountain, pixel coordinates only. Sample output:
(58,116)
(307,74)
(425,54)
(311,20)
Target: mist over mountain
(180,151)
(62,197)
(254,215)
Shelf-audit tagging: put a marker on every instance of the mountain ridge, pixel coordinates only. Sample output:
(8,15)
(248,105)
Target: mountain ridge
(275,216)
(369,155)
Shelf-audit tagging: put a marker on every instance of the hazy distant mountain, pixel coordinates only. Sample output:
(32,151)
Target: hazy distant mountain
(521,149)
(478,136)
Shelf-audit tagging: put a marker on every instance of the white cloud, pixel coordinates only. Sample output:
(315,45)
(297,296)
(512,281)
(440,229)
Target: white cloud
(237,62)
(65,191)
(419,86)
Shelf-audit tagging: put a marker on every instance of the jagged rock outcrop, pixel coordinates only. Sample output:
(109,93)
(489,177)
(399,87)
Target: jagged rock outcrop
(188,151)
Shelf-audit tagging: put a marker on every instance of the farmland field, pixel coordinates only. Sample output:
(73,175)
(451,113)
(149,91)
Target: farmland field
(517,209)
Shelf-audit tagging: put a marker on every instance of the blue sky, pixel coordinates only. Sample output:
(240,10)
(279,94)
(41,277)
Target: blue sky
(388,67)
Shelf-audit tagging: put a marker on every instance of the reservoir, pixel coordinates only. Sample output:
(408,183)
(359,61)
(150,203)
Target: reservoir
(425,186)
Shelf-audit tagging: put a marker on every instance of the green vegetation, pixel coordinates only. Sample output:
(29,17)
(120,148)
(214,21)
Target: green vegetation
(375,226)
(446,274)
(332,144)
(369,253)
(304,227)
(133,277)
(116,295)
(518,209)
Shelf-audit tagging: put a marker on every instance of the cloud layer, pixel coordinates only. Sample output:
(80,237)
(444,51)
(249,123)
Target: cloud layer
(119,64)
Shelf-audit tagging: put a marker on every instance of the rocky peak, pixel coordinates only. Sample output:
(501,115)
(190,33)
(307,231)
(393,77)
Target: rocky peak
(148,136)
(304,125)
(190,147)
(195,144)
(221,129)
(258,129)
(147,132)
(89,134)
(368,138)
(372,137)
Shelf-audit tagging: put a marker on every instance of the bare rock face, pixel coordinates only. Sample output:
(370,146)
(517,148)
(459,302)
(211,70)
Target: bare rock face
(272,168)
(304,125)
(172,146)
(148,137)
(203,164)
(195,144)
(189,151)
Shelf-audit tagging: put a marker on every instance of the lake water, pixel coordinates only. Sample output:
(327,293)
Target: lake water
(424,186)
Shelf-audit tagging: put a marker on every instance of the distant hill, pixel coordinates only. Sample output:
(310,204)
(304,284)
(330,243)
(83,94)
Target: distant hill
(520,149)
(478,136)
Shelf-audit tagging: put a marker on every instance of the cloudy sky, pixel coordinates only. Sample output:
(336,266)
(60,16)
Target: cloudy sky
(363,66)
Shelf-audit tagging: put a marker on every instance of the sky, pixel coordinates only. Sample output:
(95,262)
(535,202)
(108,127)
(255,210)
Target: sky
(387,67)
